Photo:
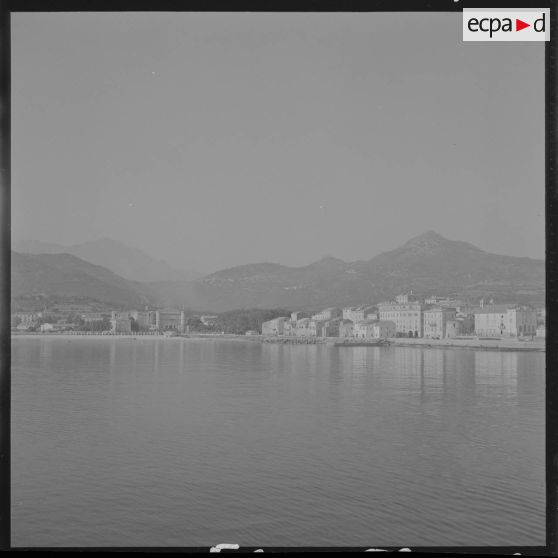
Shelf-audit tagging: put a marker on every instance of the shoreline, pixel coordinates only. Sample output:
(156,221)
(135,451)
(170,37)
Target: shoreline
(463,343)
(473,343)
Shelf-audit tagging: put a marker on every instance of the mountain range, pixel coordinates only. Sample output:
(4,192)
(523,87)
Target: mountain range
(128,262)
(66,277)
(427,264)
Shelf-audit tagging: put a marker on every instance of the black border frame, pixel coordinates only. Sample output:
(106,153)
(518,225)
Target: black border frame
(551,189)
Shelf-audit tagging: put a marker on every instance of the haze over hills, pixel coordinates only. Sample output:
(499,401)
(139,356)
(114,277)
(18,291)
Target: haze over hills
(427,264)
(128,262)
(67,277)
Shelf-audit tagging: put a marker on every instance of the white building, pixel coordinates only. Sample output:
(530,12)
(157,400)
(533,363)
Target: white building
(505,321)
(170,319)
(364,329)
(407,316)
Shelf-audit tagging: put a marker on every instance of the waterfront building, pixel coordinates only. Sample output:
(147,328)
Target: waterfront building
(316,327)
(346,328)
(453,328)
(28,318)
(57,327)
(25,326)
(274,327)
(331,328)
(170,319)
(541,330)
(121,322)
(288,327)
(435,321)
(364,329)
(144,319)
(90,317)
(505,320)
(383,329)
(359,313)
(328,314)
(466,322)
(302,328)
(407,316)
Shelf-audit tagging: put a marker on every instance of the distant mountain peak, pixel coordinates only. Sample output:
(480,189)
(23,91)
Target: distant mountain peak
(127,261)
(430,235)
(329,259)
(329,263)
(426,241)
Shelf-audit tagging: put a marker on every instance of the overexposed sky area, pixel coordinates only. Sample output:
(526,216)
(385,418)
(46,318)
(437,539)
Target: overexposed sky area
(217,139)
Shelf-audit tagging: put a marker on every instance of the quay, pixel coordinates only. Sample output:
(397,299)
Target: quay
(295,340)
(495,344)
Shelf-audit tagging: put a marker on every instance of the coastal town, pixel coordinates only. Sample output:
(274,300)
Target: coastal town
(411,317)
(407,316)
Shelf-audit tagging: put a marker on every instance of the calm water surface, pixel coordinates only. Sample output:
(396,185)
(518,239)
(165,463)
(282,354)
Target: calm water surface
(194,442)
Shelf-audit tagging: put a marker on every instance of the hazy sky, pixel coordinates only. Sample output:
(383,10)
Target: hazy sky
(212,140)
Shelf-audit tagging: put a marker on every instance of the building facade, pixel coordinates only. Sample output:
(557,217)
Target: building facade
(383,330)
(505,321)
(170,319)
(453,328)
(359,313)
(407,317)
(144,319)
(120,322)
(364,329)
(435,322)
(302,328)
(331,328)
(346,328)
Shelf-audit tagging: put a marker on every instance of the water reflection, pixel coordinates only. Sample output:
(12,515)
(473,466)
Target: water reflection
(185,442)
(496,373)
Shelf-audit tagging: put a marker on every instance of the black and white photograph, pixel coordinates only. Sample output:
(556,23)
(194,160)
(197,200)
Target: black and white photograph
(277,280)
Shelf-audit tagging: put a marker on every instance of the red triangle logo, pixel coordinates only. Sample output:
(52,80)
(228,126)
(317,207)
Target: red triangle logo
(519,25)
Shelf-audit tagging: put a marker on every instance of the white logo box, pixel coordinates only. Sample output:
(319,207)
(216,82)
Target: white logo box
(492,24)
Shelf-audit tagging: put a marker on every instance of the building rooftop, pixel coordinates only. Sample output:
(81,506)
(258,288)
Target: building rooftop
(494,309)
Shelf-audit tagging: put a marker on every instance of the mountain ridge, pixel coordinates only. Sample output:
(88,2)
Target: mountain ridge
(127,261)
(427,264)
